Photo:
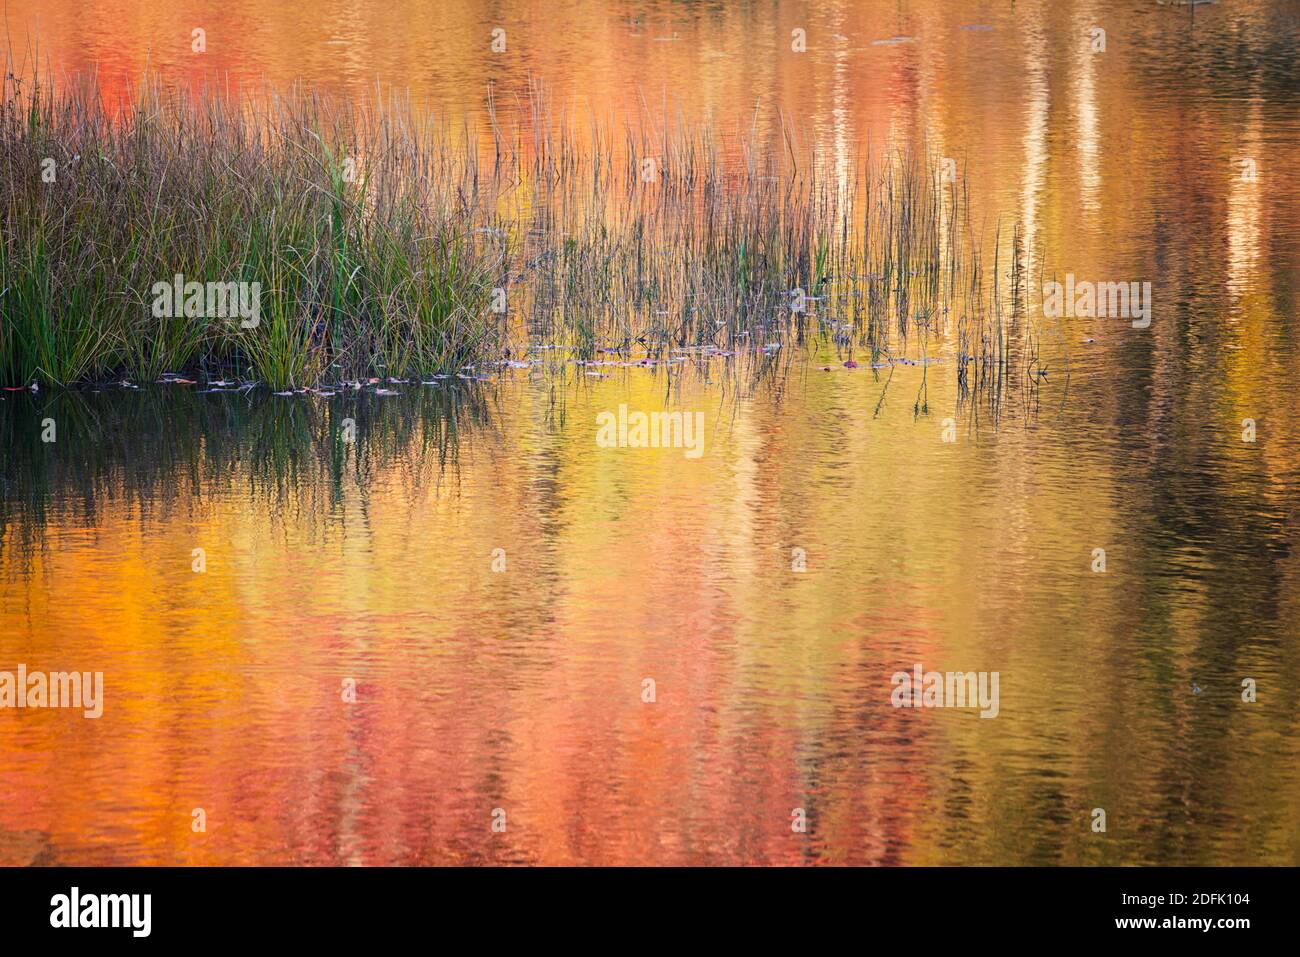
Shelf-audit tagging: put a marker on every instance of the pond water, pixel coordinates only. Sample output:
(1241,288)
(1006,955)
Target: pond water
(449,622)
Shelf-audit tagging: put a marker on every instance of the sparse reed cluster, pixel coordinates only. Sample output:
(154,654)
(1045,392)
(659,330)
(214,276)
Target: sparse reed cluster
(673,239)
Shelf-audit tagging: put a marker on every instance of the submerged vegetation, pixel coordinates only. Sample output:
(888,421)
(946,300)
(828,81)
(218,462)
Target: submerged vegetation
(386,244)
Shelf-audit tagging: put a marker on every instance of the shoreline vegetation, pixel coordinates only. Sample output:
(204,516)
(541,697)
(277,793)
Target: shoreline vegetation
(385,244)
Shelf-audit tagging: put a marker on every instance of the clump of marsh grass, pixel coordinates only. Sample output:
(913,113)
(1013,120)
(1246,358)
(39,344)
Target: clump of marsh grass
(364,249)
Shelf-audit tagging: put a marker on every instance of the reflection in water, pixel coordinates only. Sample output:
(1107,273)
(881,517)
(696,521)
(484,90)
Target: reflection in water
(1244,206)
(521,689)
(122,445)
(1086,60)
(1035,148)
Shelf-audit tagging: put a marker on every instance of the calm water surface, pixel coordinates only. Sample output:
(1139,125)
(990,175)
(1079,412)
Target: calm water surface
(522,689)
